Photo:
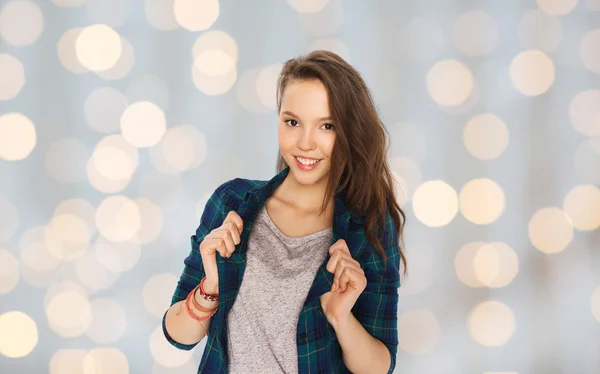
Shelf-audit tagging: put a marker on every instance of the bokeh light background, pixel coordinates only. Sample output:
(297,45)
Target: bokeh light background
(118,118)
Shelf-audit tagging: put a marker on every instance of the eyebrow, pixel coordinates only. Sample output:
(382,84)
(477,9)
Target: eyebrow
(293,115)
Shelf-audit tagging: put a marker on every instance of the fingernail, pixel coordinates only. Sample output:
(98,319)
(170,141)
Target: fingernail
(333,288)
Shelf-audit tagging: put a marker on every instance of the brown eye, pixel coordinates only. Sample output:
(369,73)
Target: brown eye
(329,124)
(290,120)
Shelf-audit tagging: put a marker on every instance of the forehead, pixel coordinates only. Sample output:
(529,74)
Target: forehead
(306,97)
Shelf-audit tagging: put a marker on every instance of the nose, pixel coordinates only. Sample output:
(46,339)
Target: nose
(306,141)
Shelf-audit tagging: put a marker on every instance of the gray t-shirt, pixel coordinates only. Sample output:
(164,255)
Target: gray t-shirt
(263,319)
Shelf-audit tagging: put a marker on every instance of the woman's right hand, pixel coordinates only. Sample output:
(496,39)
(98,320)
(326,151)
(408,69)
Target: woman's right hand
(223,239)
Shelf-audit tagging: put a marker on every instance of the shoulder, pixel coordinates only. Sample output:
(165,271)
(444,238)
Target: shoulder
(234,190)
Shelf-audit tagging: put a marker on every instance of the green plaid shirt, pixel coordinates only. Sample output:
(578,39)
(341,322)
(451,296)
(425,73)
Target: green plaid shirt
(318,348)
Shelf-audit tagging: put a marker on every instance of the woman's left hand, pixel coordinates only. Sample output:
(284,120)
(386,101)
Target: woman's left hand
(349,281)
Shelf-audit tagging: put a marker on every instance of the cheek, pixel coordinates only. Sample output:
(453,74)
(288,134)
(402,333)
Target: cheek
(286,138)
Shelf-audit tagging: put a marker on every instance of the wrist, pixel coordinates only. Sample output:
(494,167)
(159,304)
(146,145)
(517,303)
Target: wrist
(210,287)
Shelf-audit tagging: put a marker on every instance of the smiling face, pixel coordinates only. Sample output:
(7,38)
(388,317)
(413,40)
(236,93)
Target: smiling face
(305,130)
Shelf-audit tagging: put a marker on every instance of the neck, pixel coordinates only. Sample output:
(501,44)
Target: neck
(305,198)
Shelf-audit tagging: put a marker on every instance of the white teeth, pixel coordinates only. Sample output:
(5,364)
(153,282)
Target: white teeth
(306,162)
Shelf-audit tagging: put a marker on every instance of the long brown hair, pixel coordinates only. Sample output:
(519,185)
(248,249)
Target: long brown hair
(359,154)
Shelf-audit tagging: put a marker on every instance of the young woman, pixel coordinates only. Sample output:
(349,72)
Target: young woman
(301,273)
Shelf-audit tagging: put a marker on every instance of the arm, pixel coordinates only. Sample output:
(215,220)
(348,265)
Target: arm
(369,337)
(182,331)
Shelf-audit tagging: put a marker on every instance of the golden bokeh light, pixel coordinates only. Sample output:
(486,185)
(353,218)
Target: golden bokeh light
(532,72)
(118,218)
(584,111)
(196,15)
(491,323)
(12,77)
(582,204)
(67,237)
(486,136)
(214,62)
(69,313)
(481,201)
(157,293)
(34,251)
(160,14)
(589,50)
(557,7)
(98,47)
(67,53)
(17,136)
(475,33)
(213,85)
(464,264)
(9,270)
(550,230)
(67,361)
(143,124)
(113,163)
(307,6)
(164,353)
(123,65)
(495,264)
(266,83)
(435,203)
(21,22)
(449,82)
(18,334)
(105,360)
(182,148)
(421,331)
(151,221)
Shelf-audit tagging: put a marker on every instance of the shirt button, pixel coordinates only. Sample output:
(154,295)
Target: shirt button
(303,336)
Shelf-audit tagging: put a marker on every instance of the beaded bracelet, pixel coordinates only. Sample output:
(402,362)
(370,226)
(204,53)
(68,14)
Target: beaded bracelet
(204,295)
(187,305)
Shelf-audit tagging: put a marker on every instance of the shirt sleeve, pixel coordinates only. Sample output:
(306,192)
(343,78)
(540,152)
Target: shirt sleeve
(377,306)
(193,271)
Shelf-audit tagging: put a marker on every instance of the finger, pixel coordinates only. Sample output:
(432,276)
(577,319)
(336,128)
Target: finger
(342,264)
(232,216)
(336,257)
(232,228)
(340,244)
(221,241)
(349,276)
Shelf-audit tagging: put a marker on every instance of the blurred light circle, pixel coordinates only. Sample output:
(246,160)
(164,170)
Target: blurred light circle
(151,223)
(66,159)
(481,201)
(475,33)
(308,6)
(18,334)
(17,136)
(12,77)
(113,163)
(34,251)
(67,53)
(157,293)
(123,65)
(67,237)
(435,203)
(21,22)
(196,15)
(491,323)
(532,72)
(266,83)
(421,331)
(9,270)
(538,30)
(69,314)
(67,361)
(464,262)
(557,7)
(449,83)
(589,50)
(98,47)
(105,361)
(143,124)
(214,62)
(215,40)
(118,218)
(246,92)
(486,136)
(166,354)
(81,208)
(213,86)
(160,14)
(582,204)
(409,173)
(495,264)
(550,230)
(184,147)
(584,111)
(109,321)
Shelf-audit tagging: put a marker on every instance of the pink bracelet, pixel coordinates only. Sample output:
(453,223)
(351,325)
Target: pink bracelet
(204,295)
